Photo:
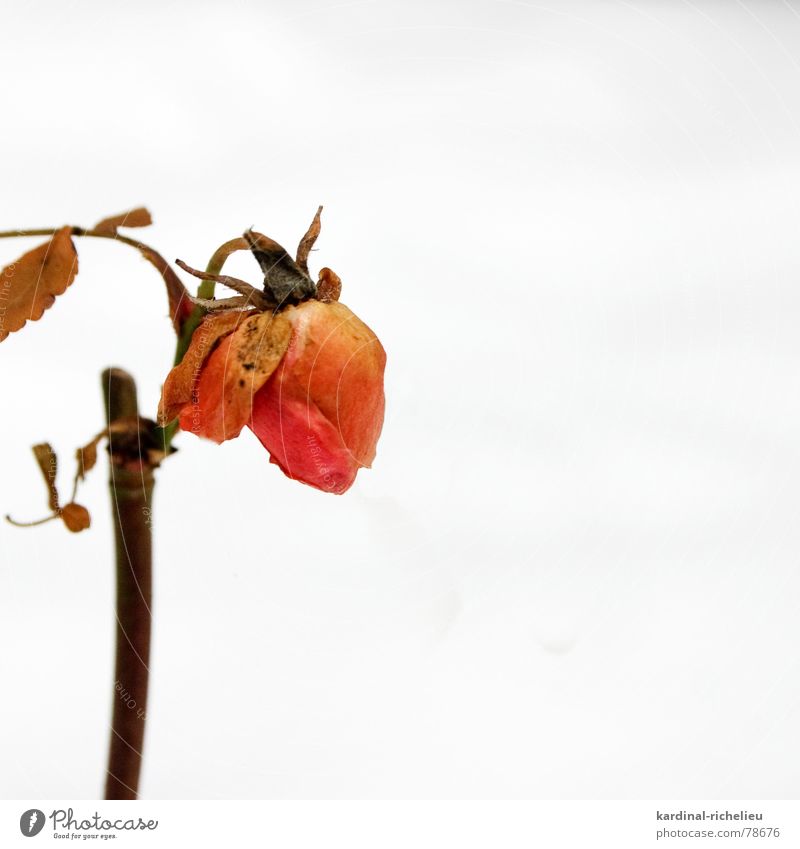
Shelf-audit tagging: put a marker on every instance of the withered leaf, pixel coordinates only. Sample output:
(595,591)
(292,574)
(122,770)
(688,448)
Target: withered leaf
(75,517)
(180,304)
(48,463)
(138,217)
(30,285)
(87,456)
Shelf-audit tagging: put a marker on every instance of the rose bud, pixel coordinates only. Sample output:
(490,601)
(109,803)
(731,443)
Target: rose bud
(302,371)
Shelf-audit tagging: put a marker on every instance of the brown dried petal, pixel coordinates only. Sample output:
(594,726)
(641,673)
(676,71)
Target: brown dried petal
(177,391)
(243,363)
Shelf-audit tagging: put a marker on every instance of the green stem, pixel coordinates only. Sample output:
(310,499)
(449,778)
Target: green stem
(206,290)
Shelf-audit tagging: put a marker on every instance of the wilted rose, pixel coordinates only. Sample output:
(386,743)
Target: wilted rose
(306,377)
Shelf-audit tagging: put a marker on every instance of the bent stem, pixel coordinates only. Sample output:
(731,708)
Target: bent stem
(176,291)
(131,483)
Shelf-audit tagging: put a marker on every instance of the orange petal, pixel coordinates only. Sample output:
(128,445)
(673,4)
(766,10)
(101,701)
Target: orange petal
(222,399)
(177,391)
(321,414)
(300,440)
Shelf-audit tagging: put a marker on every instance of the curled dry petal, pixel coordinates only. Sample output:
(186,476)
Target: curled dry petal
(222,398)
(180,382)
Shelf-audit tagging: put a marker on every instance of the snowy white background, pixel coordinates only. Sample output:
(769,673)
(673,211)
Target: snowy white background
(573,570)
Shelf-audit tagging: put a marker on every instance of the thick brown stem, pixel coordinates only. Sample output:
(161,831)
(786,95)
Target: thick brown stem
(131,483)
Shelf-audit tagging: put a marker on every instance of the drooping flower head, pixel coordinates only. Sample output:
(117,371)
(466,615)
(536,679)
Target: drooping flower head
(297,367)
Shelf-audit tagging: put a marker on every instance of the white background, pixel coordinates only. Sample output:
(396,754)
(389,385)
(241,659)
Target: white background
(572,571)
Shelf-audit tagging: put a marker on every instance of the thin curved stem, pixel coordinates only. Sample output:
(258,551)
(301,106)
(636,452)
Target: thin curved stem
(176,291)
(33,524)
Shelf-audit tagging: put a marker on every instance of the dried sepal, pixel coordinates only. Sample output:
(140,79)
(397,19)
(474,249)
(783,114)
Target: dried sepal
(329,287)
(252,295)
(307,242)
(31,284)
(139,217)
(238,302)
(284,280)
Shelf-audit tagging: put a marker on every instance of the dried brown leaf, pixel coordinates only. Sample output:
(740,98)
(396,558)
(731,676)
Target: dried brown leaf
(30,285)
(48,463)
(138,217)
(87,456)
(75,517)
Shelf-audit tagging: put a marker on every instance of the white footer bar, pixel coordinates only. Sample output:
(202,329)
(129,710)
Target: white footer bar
(406,824)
